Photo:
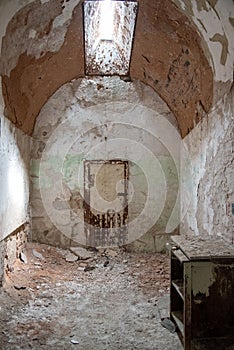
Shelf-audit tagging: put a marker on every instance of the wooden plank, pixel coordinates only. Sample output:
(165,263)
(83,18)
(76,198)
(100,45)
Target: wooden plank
(178,285)
(187,306)
(178,318)
(203,247)
(179,255)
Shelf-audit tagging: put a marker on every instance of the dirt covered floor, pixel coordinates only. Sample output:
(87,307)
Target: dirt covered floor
(55,299)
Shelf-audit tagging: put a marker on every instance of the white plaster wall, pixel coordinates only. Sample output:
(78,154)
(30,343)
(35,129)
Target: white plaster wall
(215,21)
(33,44)
(14,182)
(212,19)
(102,118)
(7,10)
(210,145)
(14,167)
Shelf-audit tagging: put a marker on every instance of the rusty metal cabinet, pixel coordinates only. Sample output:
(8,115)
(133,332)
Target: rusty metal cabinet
(202,292)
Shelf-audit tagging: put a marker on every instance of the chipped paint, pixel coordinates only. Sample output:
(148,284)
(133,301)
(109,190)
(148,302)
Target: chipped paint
(210,147)
(222,39)
(203,278)
(8,8)
(65,17)
(212,18)
(39,63)
(14,182)
(46,27)
(91,103)
(231,20)
(185,5)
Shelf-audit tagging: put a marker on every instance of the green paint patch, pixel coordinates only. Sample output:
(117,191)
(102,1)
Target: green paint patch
(55,163)
(34,167)
(70,164)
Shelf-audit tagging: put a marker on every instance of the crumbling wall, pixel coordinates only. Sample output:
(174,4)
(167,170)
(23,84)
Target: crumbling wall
(15,159)
(11,249)
(43,48)
(215,21)
(14,168)
(210,147)
(102,118)
(14,184)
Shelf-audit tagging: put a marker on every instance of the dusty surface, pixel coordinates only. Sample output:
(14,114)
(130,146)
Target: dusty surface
(106,302)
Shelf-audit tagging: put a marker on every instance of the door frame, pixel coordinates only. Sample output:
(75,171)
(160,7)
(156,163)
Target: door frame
(88,182)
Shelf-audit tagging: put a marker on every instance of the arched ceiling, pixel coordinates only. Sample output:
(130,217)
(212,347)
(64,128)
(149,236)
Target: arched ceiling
(38,57)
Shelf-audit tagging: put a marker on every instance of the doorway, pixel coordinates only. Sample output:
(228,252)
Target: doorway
(106,202)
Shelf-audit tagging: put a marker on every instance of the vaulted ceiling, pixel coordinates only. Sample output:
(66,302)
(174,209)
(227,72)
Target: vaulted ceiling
(38,57)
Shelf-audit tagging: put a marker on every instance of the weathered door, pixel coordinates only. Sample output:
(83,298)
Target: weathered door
(106,202)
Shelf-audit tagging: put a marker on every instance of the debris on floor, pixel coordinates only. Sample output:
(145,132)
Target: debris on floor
(168,324)
(102,300)
(70,257)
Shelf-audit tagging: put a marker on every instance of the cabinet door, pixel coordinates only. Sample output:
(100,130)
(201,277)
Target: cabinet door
(212,300)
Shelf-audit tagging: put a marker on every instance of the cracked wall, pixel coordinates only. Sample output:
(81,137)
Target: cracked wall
(11,249)
(89,119)
(15,153)
(30,67)
(183,50)
(210,146)
(50,52)
(214,21)
(14,184)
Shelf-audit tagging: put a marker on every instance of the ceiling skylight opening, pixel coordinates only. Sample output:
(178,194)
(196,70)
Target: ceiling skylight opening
(106,20)
(108,33)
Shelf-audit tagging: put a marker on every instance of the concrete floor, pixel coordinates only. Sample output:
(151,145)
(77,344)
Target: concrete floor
(108,302)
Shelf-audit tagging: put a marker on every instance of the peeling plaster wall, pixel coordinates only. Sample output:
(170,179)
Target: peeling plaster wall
(14,163)
(43,48)
(168,56)
(215,21)
(11,248)
(42,41)
(43,28)
(7,9)
(211,146)
(83,120)
(14,190)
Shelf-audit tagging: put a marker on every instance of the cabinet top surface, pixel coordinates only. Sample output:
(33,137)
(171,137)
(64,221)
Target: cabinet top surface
(197,247)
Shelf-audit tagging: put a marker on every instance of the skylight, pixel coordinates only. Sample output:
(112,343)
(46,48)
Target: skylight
(109,28)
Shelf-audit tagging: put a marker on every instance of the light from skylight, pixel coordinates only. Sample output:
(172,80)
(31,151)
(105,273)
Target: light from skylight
(106,20)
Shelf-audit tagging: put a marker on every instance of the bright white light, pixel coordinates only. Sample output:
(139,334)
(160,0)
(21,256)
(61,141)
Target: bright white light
(107,20)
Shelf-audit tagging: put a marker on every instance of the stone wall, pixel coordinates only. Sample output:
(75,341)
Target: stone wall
(103,118)
(210,147)
(11,248)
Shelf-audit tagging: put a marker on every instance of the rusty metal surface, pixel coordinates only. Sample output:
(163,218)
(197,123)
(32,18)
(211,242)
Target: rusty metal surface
(109,53)
(202,293)
(105,227)
(213,312)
